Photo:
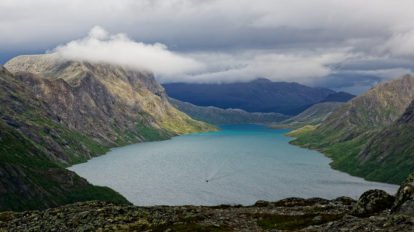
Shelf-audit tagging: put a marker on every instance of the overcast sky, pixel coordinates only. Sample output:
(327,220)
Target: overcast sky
(342,44)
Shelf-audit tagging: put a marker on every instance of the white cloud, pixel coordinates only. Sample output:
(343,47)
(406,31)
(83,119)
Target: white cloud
(400,44)
(100,46)
(197,23)
(249,65)
(234,39)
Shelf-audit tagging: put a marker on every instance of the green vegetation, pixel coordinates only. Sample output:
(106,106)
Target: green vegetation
(37,182)
(151,133)
(314,115)
(302,130)
(41,131)
(345,157)
(370,136)
(218,116)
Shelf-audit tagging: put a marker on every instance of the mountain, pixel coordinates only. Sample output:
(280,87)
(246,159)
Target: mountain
(393,147)
(218,116)
(260,95)
(311,116)
(71,111)
(29,177)
(345,133)
(109,104)
(338,97)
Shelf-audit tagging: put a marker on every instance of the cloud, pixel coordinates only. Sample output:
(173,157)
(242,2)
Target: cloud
(212,24)
(100,46)
(225,40)
(400,44)
(224,67)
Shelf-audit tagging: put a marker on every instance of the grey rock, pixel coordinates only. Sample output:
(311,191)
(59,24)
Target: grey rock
(371,202)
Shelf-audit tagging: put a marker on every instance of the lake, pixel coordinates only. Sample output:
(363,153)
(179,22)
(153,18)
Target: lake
(239,164)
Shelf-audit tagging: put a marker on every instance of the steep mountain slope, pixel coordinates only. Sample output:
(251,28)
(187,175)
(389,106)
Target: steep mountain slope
(56,113)
(260,95)
(311,116)
(29,179)
(392,147)
(217,116)
(109,104)
(346,131)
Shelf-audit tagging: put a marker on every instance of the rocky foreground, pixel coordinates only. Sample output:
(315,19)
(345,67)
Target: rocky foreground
(374,211)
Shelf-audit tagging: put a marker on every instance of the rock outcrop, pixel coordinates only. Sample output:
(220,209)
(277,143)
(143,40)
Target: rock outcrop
(372,212)
(371,202)
(292,214)
(404,203)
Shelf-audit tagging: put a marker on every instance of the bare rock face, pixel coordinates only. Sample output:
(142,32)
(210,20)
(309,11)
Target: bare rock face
(404,203)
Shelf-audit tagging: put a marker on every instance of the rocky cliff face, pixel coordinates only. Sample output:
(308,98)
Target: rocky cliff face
(345,133)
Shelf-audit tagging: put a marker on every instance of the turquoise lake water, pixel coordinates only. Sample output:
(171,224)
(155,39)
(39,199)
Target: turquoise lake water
(239,164)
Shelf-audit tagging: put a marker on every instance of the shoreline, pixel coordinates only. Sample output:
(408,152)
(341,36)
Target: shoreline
(92,178)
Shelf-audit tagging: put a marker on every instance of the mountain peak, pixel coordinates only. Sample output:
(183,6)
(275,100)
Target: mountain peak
(262,80)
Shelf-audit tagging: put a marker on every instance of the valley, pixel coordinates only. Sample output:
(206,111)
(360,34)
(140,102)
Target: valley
(58,114)
(206,116)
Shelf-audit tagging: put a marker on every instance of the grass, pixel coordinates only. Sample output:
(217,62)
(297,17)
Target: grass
(302,130)
(345,155)
(35,182)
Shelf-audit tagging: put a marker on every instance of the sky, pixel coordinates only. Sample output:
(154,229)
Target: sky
(341,44)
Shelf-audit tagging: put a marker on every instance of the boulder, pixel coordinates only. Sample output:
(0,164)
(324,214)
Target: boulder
(404,202)
(372,202)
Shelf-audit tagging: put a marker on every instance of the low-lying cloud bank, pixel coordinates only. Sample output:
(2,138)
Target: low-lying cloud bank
(320,42)
(342,68)
(276,66)
(102,47)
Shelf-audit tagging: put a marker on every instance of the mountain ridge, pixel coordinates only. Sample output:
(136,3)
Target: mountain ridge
(345,133)
(313,115)
(287,98)
(72,111)
(218,116)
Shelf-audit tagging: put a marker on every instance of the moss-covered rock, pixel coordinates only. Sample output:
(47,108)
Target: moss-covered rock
(404,203)
(372,202)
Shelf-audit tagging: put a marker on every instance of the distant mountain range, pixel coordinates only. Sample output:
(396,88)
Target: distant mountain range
(260,95)
(338,97)
(55,113)
(218,116)
(371,135)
